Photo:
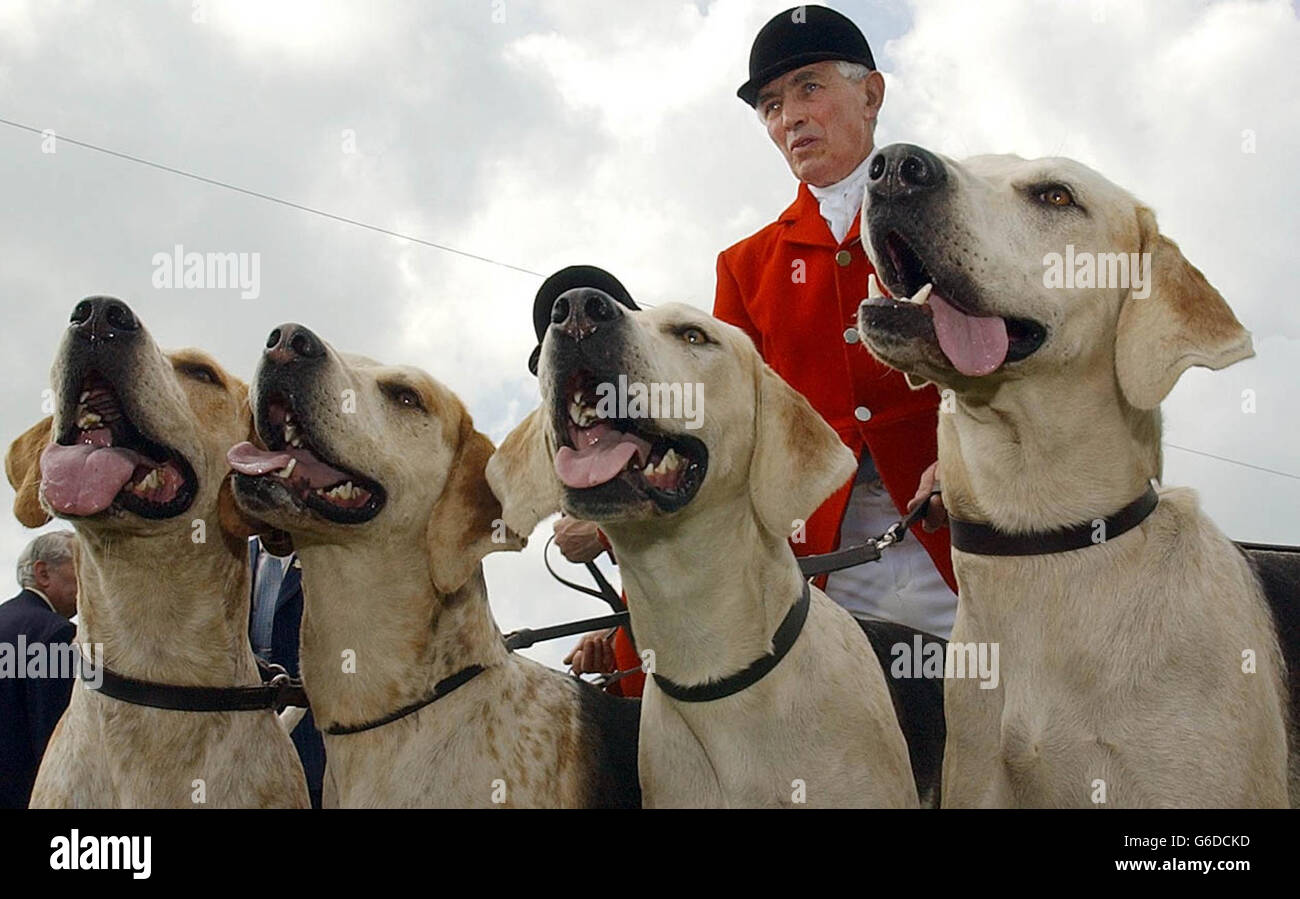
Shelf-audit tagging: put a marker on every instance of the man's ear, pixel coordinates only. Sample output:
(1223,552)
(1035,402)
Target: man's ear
(23,468)
(466,523)
(1182,322)
(522,474)
(798,458)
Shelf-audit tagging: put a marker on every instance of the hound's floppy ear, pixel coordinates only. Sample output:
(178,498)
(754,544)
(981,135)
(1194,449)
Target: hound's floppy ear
(522,474)
(237,525)
(466,523)
(23,468)
(798,458)
(1182,322)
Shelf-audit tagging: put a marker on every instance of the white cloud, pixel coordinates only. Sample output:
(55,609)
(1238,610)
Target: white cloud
(319,32)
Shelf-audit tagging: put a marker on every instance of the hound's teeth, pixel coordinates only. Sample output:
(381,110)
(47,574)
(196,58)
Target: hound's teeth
(88,420)
(342,491)
(922,295)
(288,469)
(575,412)
(149,482)
(670,461)
(873,287)
(84,394)
(577,398)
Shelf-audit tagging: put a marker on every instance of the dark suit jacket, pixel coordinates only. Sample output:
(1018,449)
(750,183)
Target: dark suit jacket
(284,651)
(29,707)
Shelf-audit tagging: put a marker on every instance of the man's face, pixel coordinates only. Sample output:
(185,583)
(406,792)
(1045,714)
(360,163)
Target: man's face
(58,581)
(821,121)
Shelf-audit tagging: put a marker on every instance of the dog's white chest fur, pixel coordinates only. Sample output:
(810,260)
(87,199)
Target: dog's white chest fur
(838,743)
(1121,678)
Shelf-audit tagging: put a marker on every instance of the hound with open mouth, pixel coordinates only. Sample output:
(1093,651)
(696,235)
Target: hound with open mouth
(378,474)
(763,691)
(135,458)
(1140,664)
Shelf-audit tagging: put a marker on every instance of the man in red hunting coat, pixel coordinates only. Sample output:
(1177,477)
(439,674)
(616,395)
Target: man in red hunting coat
(795,286)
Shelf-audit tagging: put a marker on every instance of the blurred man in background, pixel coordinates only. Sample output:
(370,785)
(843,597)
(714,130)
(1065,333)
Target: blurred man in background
(31,702)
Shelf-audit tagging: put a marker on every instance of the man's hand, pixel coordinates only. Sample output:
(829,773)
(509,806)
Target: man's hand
(578,539)
(936,516)
(594,654)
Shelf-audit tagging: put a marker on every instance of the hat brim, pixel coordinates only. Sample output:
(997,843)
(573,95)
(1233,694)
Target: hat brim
(749,90)
(566,279)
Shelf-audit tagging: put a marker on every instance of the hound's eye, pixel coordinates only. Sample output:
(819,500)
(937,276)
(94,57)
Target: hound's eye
(201,373)
(405,396)
(1056,195)
(694,336)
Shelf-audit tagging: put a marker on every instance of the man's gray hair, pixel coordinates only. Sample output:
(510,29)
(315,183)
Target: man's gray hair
(854,71)
(52,549)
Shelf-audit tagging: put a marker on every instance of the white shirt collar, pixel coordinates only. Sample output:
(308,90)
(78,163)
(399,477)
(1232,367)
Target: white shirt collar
(840,203)
(44,597)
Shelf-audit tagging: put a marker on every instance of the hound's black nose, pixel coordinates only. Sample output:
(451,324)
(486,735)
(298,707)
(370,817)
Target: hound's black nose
(903,169)
(581,311)
(292,342)
(103,318)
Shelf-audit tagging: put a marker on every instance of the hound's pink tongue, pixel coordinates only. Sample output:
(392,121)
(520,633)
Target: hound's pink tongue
(83,479)
(975,345)
(601,454)
(246,458)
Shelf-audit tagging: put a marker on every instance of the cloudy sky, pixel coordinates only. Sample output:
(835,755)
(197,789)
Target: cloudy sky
(541,134)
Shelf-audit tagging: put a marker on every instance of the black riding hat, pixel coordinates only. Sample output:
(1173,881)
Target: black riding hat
(567,279)
(797,37)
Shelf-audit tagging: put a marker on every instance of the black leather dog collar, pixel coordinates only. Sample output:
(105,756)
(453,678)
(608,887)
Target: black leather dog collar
(782,640)
(440,690)
(280,692)
(985,540)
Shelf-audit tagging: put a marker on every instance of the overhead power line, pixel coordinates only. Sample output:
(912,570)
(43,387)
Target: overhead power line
(1285,474)
(269,198)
